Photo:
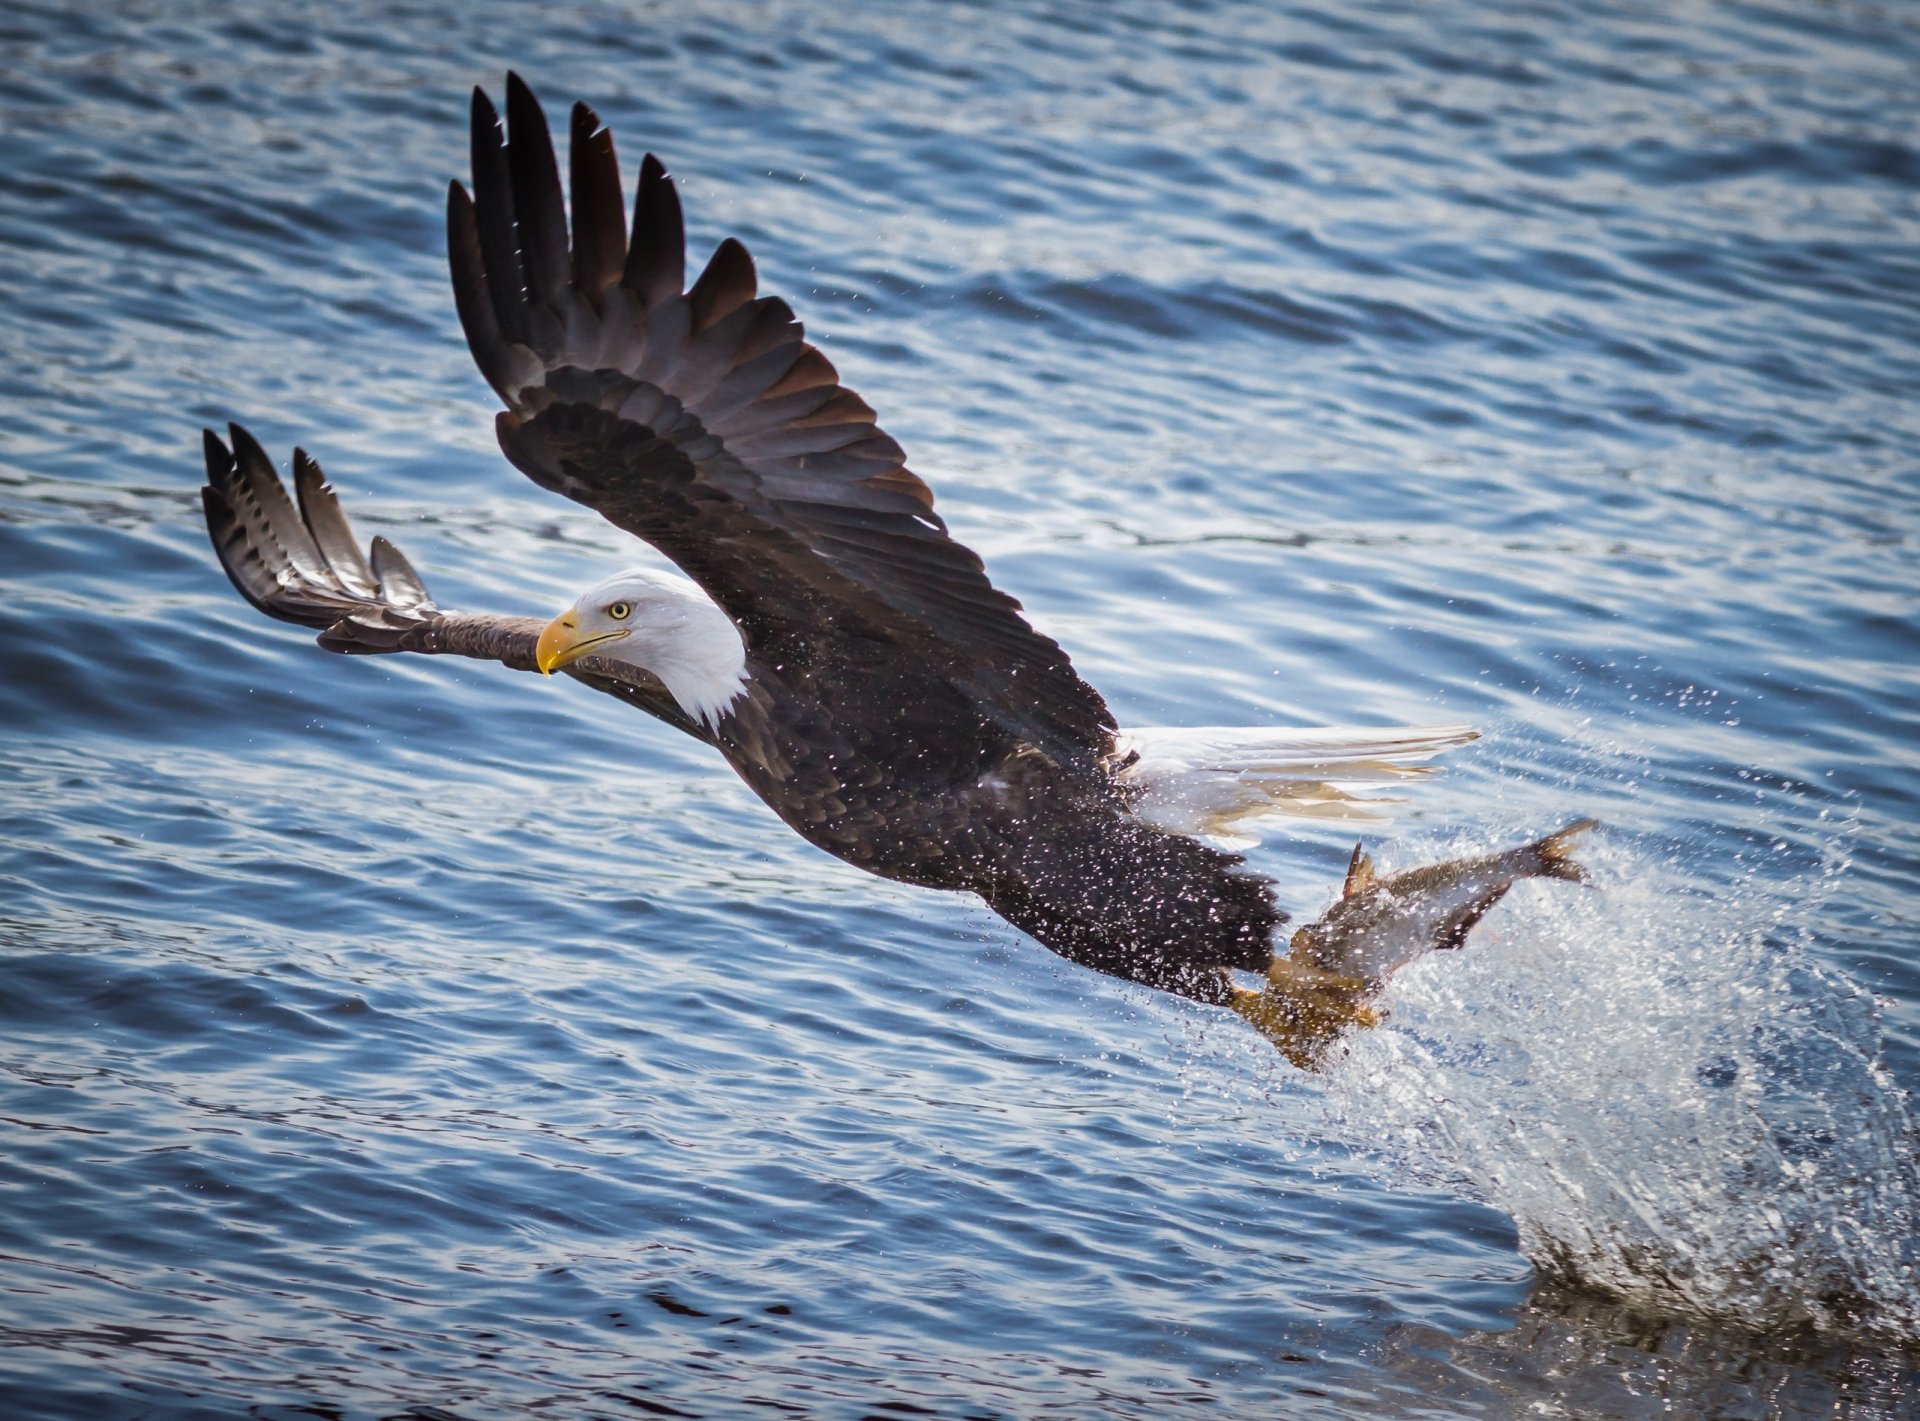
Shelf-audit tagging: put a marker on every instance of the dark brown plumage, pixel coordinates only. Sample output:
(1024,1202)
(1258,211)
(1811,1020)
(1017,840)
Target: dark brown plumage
(898,711)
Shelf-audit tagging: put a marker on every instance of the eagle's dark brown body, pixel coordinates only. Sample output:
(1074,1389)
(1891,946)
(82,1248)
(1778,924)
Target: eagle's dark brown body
(1051,846)
(898,711)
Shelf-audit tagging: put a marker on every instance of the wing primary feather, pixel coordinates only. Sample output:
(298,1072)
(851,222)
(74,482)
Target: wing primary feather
(252,522)
(767,411)
(399,583)
(471,295)
(494,224)
(667,327)
(239,556)
(774,327)
(724,287)
(746,382)
(228,543)
(539,212)
(657,253)
(711,355)
(283,522)
(599,210)
(811,371)
(238,549)
(327,521)
(253,562)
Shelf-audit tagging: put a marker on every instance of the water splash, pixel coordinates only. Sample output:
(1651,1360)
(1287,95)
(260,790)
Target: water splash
(1678,1105)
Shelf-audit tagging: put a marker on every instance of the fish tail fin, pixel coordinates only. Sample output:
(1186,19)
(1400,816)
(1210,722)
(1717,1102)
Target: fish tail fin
(1552,857)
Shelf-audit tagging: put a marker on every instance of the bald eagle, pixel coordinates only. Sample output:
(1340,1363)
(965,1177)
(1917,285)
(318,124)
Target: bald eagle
(830,639)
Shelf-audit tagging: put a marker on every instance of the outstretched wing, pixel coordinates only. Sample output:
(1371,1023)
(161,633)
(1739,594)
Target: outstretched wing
(701,420)
(301,563)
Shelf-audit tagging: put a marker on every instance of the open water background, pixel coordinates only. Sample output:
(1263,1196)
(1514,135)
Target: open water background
(385,1039)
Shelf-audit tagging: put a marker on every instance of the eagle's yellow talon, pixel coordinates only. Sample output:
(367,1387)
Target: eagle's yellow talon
(1303,1010)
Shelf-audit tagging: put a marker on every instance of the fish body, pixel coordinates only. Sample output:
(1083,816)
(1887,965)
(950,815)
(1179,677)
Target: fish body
(1381,924)
(1337,965)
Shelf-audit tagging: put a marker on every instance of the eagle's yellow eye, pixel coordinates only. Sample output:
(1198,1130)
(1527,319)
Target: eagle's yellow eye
(620,611)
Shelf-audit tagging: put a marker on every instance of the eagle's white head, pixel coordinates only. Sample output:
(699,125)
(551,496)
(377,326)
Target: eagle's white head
(661,623)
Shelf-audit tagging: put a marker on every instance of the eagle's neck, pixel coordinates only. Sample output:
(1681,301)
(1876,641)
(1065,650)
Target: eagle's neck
(703,663)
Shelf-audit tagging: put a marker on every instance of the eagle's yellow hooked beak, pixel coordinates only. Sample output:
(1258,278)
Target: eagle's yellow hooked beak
(559,642)
(562,642)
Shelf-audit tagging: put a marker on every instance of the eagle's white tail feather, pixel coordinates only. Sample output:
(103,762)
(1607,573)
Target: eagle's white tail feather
(1217,782)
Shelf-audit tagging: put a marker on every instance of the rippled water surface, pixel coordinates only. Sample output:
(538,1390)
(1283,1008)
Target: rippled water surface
(390,1039)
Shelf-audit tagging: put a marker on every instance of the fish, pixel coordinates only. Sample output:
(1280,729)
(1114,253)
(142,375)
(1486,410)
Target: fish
(1336,966)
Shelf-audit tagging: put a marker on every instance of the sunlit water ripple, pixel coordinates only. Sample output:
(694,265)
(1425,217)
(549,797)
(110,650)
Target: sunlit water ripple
(389,1039)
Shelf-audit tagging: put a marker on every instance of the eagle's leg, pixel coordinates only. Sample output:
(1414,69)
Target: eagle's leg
(1303,1010)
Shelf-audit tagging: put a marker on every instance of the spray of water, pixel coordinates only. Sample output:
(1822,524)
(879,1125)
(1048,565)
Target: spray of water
(1675,1102)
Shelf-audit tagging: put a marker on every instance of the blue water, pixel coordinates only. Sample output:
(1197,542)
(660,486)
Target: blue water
(385,1039)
